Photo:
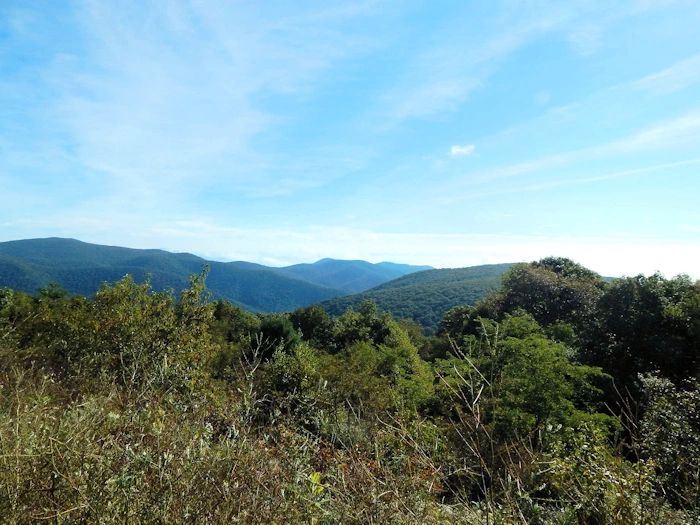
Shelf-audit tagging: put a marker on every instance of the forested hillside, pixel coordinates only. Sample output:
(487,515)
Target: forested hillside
(82,267)
(425,296)
(560,398)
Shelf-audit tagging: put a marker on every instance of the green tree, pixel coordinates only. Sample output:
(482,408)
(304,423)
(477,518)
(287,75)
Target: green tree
(377,364)
(138,337)
(316,327)
(553,289)
(646,325)
(518,377)
(232,324)
(276,331)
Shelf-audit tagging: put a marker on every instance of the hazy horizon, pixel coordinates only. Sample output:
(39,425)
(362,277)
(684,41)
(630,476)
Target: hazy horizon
(223,260)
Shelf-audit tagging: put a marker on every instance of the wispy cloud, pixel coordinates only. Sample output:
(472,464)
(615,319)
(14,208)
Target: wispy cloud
(441,78)
(461,151)
(162,99)
(463,58)
(597,18)
(672,133)
(675,78)
(515,189)
(611,102)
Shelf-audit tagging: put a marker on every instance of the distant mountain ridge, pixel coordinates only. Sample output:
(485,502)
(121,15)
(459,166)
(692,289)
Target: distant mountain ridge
(350,276)
(82,267)
(425,296)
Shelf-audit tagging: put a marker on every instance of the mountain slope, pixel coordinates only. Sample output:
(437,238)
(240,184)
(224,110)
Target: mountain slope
(426,296)
(82,267)
(349,276)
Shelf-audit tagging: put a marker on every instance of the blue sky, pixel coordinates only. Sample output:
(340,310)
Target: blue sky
(449,133)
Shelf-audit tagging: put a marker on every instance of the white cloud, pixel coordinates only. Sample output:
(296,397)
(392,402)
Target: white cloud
(460,151)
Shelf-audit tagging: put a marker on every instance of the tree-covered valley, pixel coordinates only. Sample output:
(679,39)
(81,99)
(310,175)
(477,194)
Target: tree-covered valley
(558,397)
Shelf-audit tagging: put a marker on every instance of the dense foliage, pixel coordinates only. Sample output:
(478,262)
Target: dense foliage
(561,398)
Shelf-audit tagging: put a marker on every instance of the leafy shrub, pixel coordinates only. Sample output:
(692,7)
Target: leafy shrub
(670,436)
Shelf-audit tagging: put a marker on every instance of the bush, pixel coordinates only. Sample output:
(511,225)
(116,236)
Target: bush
(670,436)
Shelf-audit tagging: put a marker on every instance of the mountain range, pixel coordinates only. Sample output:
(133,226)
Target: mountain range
(351,277)
(81,268)
(420,293)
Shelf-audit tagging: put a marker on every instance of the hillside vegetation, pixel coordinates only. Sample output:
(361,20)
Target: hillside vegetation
(425,296)
(559,399)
